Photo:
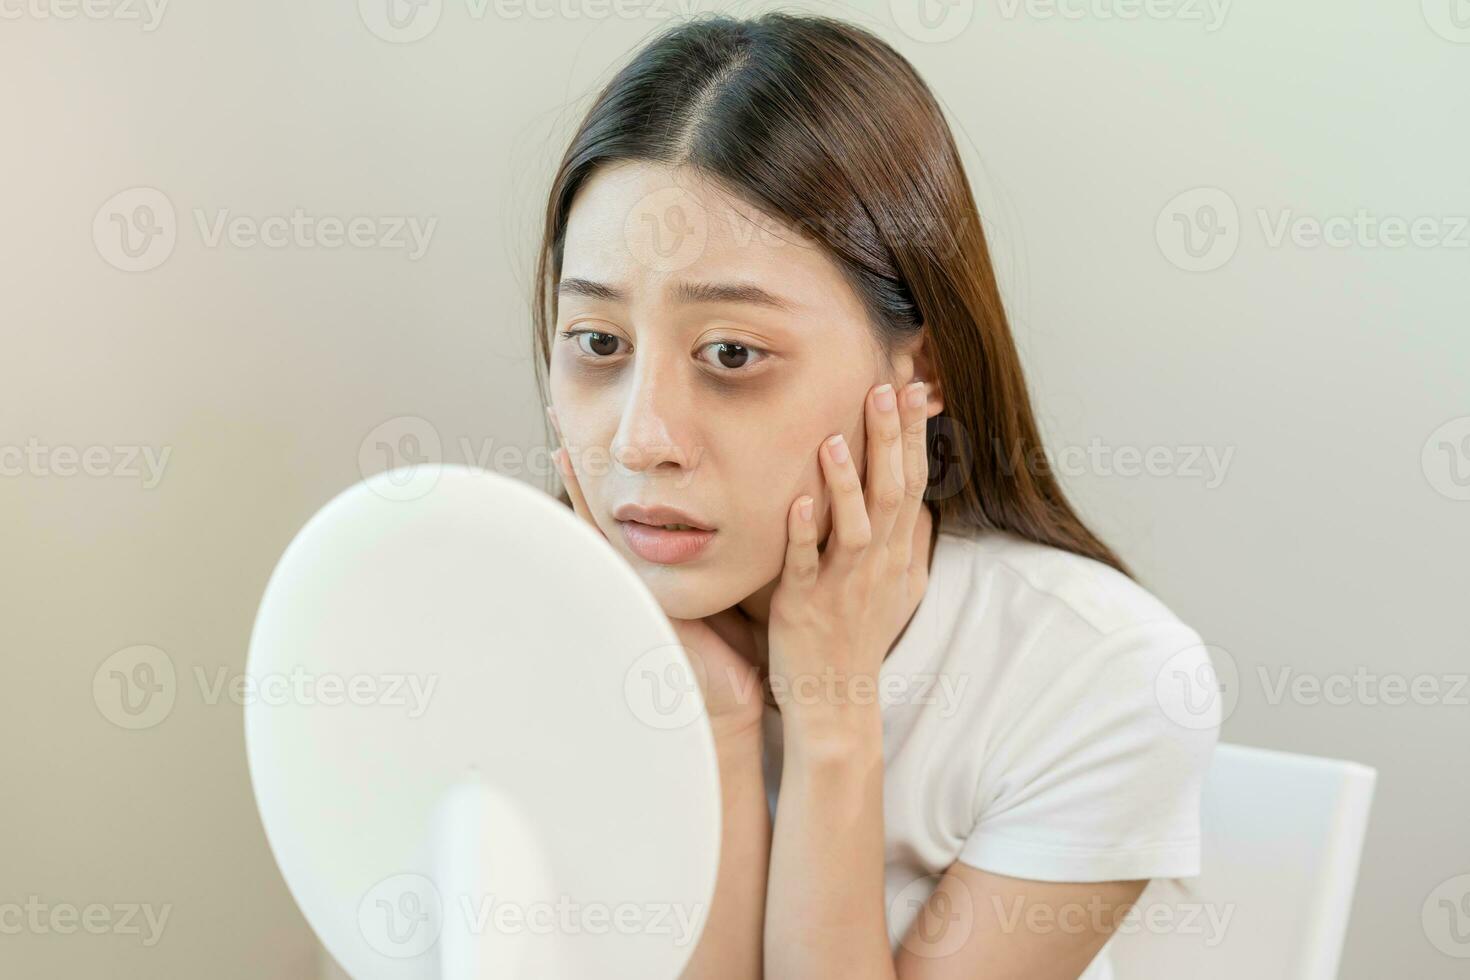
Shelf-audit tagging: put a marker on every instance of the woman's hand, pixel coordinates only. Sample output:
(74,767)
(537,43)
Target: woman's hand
(836,612)
(721,647)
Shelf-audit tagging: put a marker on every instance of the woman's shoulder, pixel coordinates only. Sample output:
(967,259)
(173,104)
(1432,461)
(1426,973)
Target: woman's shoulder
(1074,653)
(1017,597)
(1042,575)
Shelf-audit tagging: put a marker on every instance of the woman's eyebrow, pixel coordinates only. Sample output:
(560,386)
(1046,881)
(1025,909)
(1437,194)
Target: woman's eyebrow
(683,292)
(586,287)
(730,292)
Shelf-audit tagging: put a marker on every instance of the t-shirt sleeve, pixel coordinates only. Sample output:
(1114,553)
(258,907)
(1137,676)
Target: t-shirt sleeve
(1098,777)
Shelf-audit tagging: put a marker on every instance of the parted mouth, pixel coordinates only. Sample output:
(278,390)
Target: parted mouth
(668,518)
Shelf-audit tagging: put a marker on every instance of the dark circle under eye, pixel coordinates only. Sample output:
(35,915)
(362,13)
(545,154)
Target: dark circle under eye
(741,356)
(607,339)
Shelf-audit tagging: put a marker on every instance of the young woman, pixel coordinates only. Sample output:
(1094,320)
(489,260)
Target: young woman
(950,741)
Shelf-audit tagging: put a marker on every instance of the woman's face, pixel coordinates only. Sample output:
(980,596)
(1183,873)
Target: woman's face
(719,350)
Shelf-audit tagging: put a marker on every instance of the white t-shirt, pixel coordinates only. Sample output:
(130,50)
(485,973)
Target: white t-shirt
(1037,723)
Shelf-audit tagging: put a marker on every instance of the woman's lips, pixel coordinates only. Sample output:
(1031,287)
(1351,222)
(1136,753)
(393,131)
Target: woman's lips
(664,547)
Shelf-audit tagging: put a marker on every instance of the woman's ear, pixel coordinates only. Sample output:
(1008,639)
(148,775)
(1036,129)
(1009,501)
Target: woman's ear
(915,363)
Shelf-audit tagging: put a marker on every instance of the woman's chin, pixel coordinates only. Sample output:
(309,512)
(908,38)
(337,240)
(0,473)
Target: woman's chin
(686,599)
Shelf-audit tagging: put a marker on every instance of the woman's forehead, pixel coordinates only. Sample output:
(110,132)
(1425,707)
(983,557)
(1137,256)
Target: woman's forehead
(648,233)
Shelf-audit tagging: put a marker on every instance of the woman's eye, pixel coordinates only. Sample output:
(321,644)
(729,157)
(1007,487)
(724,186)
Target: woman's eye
(731,356)
(728,356)
(598,344)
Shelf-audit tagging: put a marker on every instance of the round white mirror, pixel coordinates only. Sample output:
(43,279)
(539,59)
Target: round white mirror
(477,747)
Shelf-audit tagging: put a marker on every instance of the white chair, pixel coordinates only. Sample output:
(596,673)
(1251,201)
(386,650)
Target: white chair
(1282,837)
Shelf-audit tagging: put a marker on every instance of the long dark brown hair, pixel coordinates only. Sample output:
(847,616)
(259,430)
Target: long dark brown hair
(824,126)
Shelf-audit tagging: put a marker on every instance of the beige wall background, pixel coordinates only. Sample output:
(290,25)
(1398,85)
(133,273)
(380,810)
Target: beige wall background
(1275,431)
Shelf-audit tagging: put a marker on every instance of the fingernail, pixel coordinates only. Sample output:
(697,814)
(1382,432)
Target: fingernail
(551,414)
(884,398)
(915,394)
(806,508)
(838,447)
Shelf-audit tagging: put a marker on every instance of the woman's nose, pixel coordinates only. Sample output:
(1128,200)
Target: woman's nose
(653,431)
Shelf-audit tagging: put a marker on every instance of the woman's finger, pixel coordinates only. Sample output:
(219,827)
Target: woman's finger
(851,532)
(913,412)
(884,488)
(802,558)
